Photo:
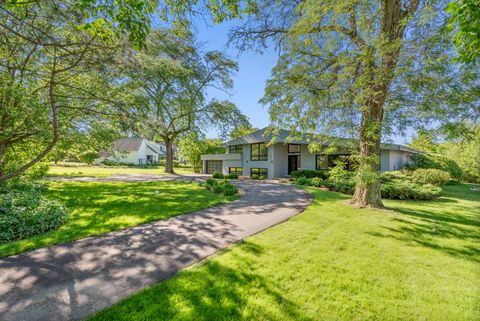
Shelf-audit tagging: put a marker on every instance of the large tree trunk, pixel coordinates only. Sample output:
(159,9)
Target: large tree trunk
(169,156)
(378,80)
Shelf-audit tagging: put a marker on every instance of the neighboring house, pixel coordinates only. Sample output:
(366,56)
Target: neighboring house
(137,151)
(250,154)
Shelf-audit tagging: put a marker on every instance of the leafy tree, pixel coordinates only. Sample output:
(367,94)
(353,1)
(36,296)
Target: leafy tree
(242,131)
(466,20)
(361,70)
(194,144)
(169,80)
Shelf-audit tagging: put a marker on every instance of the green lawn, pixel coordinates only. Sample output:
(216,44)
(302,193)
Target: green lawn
(98,208)
(335,262)
(98,171)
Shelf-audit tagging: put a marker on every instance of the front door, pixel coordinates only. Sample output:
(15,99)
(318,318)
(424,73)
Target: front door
(292,163)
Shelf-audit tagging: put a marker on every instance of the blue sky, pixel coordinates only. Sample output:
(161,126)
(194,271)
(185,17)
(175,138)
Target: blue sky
(254,70)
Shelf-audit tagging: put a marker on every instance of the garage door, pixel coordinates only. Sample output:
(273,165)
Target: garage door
(214,166)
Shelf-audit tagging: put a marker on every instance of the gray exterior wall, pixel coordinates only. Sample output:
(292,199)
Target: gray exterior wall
(277,162)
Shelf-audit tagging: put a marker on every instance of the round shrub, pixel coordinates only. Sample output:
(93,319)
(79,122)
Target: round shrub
(432,176)
(435,162)
(25,213)
(302,180)
(261,177)
(232,176)
(316,181)
(255,176)
(229,189)
(218,188)
(217,175)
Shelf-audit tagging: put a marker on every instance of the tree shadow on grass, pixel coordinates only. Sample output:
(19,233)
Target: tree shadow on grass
(213,291)
(447,224)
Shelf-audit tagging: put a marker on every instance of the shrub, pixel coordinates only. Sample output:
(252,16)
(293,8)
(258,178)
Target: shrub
(436,162)
(302,180)
(261,177)
(255,176)
(339,175)
(232,176)
(217,175)
(210,182)
(295,174)
(24,212)
(217,188)
(229,189)
(432,176)
(316,181)
(409,190)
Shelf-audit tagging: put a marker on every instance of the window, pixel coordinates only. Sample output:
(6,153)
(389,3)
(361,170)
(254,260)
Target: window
(259,152)
(321,162)
(214,166)
(235,170)
(259,171)
(294,148)
(235,149)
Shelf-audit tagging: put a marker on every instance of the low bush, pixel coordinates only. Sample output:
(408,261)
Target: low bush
(255,176)
(261,177)
(229,189)
(316,181)
(223,186)
(310,174)
(409,190)
(432,176)
(107,162)
(395,185)
(217,175)
(232,176)
(210,182)
(24,212)
(302,180)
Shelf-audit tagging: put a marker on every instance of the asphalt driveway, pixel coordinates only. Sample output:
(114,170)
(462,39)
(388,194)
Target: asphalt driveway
(74,280)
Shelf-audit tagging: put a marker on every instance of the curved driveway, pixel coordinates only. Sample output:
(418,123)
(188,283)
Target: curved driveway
(74,280)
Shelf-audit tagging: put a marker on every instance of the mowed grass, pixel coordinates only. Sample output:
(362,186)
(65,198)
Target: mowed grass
(98,171)
(98,208)
(335,262)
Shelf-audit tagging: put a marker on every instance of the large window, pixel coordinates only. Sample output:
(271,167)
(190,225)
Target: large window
(259,171)
(294,148)
(321,162)
(329,161)
(235,149)
(235,170)
(258,152)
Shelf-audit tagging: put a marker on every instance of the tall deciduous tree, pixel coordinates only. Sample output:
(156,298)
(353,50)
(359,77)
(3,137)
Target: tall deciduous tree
(361,69)
(169,80)
(194,144)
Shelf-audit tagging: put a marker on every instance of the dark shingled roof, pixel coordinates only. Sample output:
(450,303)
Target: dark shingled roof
(259,136)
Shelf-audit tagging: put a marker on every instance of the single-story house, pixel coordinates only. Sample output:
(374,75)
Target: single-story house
(251,154)
(136,151)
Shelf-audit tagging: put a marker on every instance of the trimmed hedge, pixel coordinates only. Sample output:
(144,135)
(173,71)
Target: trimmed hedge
(395,185)
(435,162)
(310,174)
(432,176)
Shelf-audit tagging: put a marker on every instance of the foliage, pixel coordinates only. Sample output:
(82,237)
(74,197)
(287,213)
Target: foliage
(25,212)
(217,175)
(194,144)
(168,81)
(242,130)
(309,173)
(465,20)
(408,190)
(436,162)
(232,176)
(395,185)
(223,186)
(361,70)
(255,177)
(302,180)
(431,176)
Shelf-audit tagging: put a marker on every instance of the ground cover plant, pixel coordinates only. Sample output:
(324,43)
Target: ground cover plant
(414,261)
(97,208)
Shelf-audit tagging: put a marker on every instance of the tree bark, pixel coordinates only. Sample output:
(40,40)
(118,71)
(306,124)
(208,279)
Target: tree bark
(379,78)
(169,155)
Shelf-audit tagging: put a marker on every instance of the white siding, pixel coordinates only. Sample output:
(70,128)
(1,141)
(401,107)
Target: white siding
(307,159)
(248,164)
